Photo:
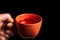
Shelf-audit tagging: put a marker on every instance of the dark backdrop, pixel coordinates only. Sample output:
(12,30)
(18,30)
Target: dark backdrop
(17,7)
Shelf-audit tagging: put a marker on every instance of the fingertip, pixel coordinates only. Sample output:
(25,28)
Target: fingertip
(12,20)
(9,18)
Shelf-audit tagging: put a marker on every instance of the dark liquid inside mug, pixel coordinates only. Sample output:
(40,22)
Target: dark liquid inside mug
(30,20)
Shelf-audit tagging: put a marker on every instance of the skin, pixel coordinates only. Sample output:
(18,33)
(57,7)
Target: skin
(6,33)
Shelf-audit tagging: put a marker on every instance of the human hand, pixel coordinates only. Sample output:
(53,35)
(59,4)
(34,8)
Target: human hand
(6,21)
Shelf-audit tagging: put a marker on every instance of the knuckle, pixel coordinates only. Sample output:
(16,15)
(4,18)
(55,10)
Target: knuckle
(8,14)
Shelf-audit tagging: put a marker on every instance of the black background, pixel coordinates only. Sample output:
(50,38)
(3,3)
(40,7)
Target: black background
(18,7)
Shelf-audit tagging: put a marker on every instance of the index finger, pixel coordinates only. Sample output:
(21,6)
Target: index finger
(6,17)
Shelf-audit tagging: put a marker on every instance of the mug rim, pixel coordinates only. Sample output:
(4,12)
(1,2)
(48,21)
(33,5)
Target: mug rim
(28,13)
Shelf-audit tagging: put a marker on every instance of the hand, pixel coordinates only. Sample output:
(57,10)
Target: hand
(6,24)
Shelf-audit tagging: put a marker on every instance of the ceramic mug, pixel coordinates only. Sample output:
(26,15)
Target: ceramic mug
(28,29)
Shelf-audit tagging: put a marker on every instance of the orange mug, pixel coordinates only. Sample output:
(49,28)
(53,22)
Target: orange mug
(28,29)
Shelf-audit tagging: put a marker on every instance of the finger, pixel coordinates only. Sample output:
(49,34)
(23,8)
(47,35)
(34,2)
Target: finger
(9,25)
(2,38)
(10,19)
(6,16)
(9,32)
(6,36)
(3,34)
(1,24)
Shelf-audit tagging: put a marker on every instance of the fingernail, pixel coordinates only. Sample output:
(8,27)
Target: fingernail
(10,25)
